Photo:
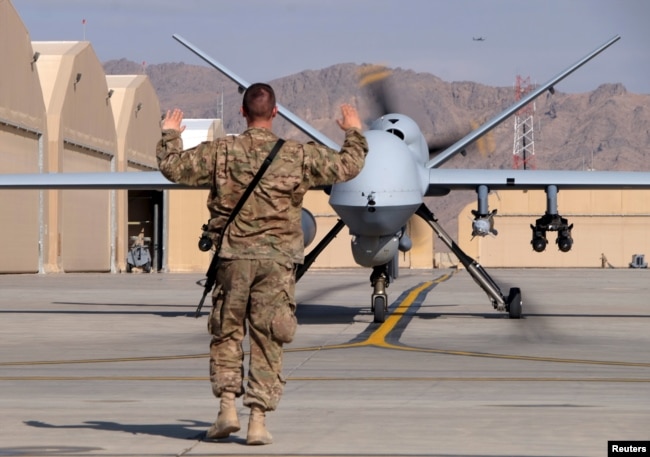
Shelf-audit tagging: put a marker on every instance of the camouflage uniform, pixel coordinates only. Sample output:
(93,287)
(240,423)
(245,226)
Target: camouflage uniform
(255,280)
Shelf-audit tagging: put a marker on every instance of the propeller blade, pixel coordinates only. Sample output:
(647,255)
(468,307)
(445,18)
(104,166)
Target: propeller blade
(374,79)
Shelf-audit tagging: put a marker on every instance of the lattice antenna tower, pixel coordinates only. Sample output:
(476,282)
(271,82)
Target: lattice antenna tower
(220,109)
(523,151)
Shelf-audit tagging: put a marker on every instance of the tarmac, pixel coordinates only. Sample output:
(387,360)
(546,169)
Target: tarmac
(117,365)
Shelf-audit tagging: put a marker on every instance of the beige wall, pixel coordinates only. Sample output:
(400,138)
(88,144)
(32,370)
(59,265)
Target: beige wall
(187,210)
(21,99)
(614,223)
(422,253)
(187,213)
(52,120)
(22,136)
(135,108)
(338,253)
(19,240)
(81,138)
(134,103)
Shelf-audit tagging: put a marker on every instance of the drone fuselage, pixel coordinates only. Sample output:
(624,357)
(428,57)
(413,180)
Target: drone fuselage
(377,210)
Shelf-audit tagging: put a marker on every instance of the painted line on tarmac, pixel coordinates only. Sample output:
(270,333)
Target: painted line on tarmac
(111,360)
(336,379)
(381,337)
(385,328)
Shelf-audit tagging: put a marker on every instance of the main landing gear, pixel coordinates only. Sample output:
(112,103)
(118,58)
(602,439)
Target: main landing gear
(512,303)
(380,277)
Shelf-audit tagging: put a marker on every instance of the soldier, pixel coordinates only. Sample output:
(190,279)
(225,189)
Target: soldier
(255,278)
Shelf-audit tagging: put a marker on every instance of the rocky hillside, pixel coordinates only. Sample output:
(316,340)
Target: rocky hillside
(606,129)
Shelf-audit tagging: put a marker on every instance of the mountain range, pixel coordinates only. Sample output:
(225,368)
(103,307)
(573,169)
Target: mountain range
(605,129)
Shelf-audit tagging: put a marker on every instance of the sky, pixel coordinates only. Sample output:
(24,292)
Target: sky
(261,40)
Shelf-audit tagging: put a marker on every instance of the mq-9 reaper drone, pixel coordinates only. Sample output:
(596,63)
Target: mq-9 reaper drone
(398,173)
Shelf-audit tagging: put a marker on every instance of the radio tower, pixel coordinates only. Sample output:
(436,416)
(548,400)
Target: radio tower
(523,152)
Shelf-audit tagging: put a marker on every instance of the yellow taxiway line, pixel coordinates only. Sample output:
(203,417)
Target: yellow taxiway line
(376,339)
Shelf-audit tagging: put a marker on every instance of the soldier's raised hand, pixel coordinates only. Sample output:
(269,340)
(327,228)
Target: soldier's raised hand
(172,120)
(350,117)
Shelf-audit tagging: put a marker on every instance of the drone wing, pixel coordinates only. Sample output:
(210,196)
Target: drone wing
(442,181)
(243,84)
(97,180)
(462,144)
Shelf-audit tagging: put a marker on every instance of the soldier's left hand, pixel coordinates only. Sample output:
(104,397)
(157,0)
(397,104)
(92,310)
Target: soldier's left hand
(172,120)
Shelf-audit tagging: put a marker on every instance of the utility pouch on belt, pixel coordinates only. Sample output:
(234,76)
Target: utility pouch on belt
(284,324)
(211,275)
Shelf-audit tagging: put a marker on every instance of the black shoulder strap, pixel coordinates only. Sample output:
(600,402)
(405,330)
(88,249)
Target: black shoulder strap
(251,186)
(211,275)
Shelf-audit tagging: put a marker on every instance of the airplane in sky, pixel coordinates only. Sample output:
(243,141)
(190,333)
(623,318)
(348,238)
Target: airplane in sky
(478,38)
(399,172)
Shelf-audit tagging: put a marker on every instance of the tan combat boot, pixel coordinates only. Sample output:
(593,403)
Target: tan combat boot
(227,421)
(257,432)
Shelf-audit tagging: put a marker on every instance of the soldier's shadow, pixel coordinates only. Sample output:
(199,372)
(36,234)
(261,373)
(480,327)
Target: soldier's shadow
(185,430)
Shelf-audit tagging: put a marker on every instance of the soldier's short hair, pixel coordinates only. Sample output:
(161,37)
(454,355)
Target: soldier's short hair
(259,101)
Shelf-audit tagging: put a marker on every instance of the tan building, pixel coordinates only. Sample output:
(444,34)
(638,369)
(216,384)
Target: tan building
(23,140)
(136,112)
(57,114)
(81,138)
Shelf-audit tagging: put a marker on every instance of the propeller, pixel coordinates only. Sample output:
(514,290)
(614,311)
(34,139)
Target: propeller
(382,95)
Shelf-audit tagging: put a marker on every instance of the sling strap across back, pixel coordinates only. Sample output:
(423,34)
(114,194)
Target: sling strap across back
(211,275)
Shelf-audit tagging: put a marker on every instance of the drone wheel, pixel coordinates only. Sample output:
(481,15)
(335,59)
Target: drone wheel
(379,308)
(514,303)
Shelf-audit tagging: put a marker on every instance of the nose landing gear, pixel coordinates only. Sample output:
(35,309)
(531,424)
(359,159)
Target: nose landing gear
(379,280)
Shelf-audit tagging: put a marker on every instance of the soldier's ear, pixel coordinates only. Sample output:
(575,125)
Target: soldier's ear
(275,111)
(241,111)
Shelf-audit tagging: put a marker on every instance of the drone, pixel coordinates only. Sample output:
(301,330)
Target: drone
(399,172)
(377,204)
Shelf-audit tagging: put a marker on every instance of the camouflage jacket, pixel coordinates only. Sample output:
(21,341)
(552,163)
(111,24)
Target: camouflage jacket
(269,224)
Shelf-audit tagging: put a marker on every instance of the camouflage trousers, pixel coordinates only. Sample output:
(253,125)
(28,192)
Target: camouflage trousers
(257,295)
